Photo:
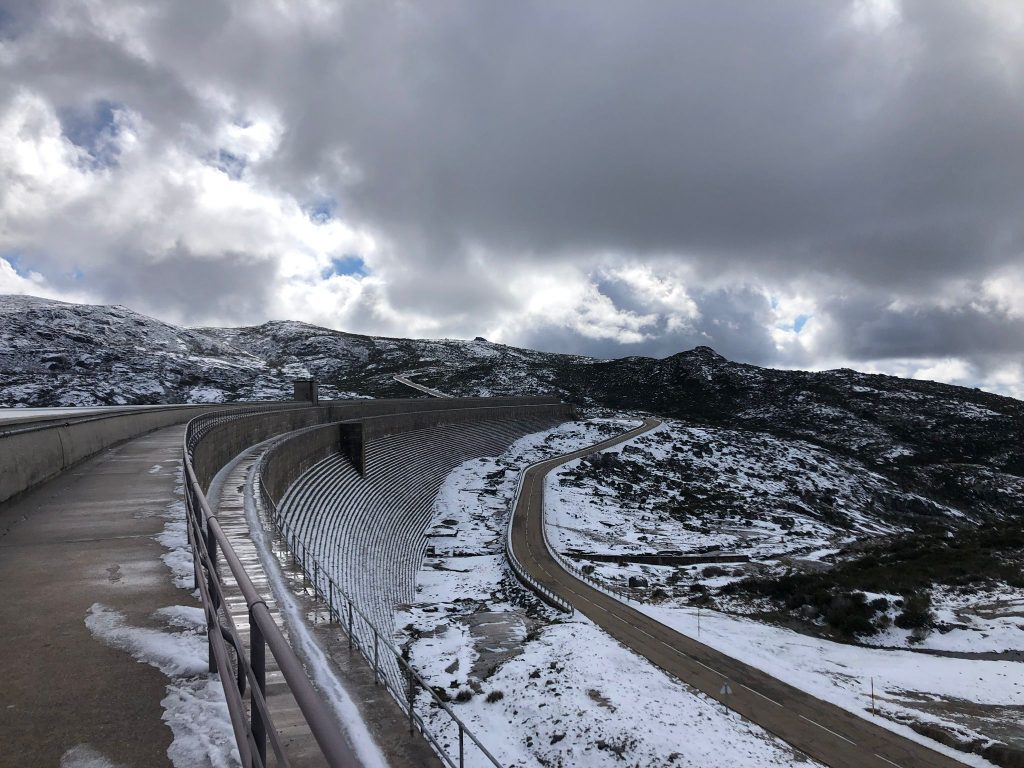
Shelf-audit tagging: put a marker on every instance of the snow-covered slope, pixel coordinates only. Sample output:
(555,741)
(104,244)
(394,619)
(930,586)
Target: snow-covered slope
(954,447)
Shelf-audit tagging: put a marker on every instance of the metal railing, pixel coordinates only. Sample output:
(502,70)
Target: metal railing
(227,653)
(520,572)
(391,666)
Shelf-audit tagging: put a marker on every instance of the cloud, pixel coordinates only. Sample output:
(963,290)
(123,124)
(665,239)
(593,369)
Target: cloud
(800,184)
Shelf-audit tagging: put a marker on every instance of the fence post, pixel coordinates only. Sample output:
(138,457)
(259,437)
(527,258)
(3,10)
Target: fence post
(211,585)
(376,657)
(350,625)
(461,746)
(257,660)
(412,695)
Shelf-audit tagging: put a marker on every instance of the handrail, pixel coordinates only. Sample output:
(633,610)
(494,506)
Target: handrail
(327,590)
(206,538)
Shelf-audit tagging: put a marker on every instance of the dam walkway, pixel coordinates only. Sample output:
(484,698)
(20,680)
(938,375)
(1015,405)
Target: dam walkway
(65,546)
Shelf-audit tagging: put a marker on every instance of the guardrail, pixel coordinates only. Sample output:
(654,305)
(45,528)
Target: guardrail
(253,729)
(520,572)
(371,641)
(529,581)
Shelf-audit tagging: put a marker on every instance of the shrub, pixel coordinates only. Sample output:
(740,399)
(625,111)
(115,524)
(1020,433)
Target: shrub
(851,615)
(494,696)
(880,604)
(916,613)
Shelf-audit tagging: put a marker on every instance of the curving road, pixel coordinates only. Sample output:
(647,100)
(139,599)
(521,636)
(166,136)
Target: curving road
(823,731)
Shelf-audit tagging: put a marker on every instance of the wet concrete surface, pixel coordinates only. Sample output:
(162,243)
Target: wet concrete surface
(85,537)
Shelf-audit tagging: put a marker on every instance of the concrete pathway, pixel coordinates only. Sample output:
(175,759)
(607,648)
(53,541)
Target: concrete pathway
(86,537)
(817,728)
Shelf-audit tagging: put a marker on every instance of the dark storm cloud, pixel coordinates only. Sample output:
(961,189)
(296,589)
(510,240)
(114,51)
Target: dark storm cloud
(864,154)
(185,288)
(865,328)
(769,137)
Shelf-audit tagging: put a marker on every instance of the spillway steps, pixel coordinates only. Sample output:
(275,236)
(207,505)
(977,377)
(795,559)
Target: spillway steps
(369,533)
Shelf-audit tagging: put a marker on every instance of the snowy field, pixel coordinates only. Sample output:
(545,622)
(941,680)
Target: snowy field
(909,686)
(479,636)
(541,690)
(782,503)
(692,490)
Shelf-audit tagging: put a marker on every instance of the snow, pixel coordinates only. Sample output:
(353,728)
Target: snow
(464,592)
(566,693)
(194,707)
(85,756)
(174,538)
(174,654)
(905,682)
(972,621)
(205,395)
(770,496)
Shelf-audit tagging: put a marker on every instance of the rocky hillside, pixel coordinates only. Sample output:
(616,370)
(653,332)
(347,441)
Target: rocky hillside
(960,447)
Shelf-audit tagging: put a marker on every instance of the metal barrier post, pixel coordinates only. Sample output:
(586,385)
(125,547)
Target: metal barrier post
(350,625)
(412,696)
(258,662)
(211,588)
(376,656)
(462,733)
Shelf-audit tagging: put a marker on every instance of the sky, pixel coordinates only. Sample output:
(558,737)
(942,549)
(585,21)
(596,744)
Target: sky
(796,184)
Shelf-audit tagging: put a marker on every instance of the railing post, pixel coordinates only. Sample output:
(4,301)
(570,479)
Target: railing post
(412,695)
(192,548)
(376,657)
(316,588)
(258,662)
(350,625)
(211,586)
(461,746)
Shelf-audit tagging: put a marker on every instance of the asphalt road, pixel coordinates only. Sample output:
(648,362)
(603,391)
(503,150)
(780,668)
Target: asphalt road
(821,730)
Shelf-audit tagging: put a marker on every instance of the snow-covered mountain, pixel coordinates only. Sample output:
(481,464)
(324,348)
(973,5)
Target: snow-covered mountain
(957,447)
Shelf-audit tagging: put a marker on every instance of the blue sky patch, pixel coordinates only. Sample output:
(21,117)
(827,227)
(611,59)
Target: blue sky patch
(348,264)
(322,210)
(14,259)
(800,322)
(93,127)
(232,165)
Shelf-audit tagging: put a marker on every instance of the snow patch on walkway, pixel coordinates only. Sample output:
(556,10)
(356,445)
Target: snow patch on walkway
(194,707)
(85,756)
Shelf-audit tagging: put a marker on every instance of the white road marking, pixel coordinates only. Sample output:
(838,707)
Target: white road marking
(813,722)
(758,693)
(890,762)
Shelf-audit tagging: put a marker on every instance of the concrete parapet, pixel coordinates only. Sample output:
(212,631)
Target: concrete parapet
(33,453)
